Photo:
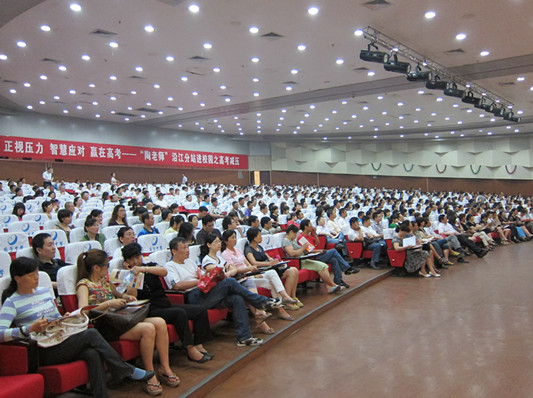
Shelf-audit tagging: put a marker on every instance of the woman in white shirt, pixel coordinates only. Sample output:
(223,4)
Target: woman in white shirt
(209,255)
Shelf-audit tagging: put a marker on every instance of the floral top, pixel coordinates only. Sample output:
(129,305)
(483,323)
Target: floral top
(98,292)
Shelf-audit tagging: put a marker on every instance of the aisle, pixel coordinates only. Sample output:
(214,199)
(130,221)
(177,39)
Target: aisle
(467,334)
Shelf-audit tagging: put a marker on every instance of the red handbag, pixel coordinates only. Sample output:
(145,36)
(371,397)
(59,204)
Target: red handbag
(210,279)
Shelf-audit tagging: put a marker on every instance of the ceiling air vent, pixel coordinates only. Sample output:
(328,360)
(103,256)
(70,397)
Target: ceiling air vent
(147,110)
(375,5)
(290,82)
(137,77)
(361,69)
(506,83)
(10,81)
(199,58)
(428,94)
(54,61)
(125,114)
(195,73)
(85,93)
(455,51)
(272,36)
(103,32)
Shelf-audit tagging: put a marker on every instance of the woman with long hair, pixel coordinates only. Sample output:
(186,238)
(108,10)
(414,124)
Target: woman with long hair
(186,231)
(19,210)
(118,216)
(91,228)
(27,308)
(94,288)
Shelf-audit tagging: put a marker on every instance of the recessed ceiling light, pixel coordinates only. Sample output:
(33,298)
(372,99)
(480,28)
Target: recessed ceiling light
(149,28)
(371,73)
(148,104)
(29,107)
(62,68)
(227,99)
(402,127)
(312,10)
(95,103)
(520,78)
(255,59)
(380,97)
(156,85)
(531,88)
(112,77)
(339,61)
(519,112)
(21,44)
(160,112)
(75,7)
(43,77)
(312,106)
(460,36)
(223,87)
(65,111)
(302,47)
(365,108)
(139,68)
(133,92)
(45,28)
(194,8)
(184,78)
(358,32)
(354,116)
(401,117)
(208,46)
(516,130)
(344,102)
(3,57)
(113,98)
(430,14)
(180,109)
(169,58)
(440,99)
(79,107)
(72,92)
(288,88)
(202,103)
(294,71)
(255,79)
(113,44)
(42,102)
(418,109)
(484,53)
(426,134)
(216,69)
(85,57)
(12,91)
(195,93)
(334,111)
(455,105)
(27,84)
(400,103)
(253,29)
(284,111)
(384,112)
(256,94)
(469,110)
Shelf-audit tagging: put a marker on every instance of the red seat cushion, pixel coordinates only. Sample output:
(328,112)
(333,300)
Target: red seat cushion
(64,377)
(127,349)
(23,386)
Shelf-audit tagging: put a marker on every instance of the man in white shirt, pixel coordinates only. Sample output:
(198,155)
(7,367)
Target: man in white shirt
(373,241)
(126,236)
(446,229)
(183,275)
(48,176)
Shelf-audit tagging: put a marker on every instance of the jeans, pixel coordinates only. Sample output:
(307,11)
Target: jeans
(179,317)
(338,264)
(91,347)
(376,248)
(230,294)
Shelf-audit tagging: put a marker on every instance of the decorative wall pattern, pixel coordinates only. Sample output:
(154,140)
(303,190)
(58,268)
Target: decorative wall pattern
(510,158)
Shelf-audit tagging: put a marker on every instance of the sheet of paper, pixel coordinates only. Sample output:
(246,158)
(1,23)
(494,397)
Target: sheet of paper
(411,241)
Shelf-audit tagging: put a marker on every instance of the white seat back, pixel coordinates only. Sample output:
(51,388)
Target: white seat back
(137,228)
(7,219)
(162,226)
(111,232)
(39,218)
(11,242)
(152,243)
(44,281)
(66,280)
(110,245)
(76,234)
(170,236)
(241,243)
(5,263)
(194,254)
(73,250)
(29,228)
(160,257)
(50,224)
(58,236)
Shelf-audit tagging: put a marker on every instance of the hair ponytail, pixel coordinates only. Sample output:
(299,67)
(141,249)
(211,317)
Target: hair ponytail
(87,260)
(19,267)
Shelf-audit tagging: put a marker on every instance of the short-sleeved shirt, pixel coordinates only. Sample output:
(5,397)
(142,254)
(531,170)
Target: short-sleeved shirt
(217,262)
(144,231)
(353,235)
(99,292)
(235,257)
(287,242)
(186,272)
(259,254)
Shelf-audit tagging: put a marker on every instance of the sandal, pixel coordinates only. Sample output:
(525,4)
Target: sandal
(153,389)
(286,318)
(169,380)
(268,330)
(259,319)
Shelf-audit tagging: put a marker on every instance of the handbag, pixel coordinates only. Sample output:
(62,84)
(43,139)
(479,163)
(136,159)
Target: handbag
(210,279)
(112,323)
(60,330)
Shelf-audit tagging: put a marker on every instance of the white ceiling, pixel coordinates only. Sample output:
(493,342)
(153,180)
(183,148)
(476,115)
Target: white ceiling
(327,99)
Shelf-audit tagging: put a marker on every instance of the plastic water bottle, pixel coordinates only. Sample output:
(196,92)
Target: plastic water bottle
(125,282)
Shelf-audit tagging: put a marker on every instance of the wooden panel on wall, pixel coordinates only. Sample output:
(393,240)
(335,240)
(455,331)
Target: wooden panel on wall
(32,171)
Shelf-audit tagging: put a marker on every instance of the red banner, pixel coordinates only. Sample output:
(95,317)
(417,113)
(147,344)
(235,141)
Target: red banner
(37,148)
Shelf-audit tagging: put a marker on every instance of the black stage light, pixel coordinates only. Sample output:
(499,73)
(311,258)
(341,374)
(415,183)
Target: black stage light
(470,99)
(498,110)
(453,91)
(489,107)
(480,104)
(397,66)
(418,75)
(436,84)
(511,117)
(373,56)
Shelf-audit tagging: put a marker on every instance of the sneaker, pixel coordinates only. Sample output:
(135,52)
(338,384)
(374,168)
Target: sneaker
(454,253)
(249,342)
(273,303)
(334,289)
(300,304)
(462,260)
(352,270)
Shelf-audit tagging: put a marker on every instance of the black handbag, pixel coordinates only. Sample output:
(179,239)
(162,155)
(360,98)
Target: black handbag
(113,323)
